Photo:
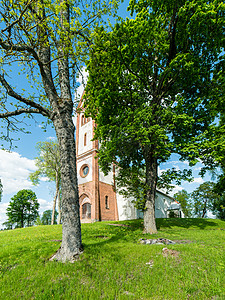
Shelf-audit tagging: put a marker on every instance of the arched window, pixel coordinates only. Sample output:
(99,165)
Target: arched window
(86,211)
(85,139)
(106,202)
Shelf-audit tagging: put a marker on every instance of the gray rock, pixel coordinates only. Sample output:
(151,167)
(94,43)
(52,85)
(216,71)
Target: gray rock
(142,241)
(148,242)
(159,241)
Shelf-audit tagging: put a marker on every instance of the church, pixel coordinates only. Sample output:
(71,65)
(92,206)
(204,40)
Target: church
(98,195)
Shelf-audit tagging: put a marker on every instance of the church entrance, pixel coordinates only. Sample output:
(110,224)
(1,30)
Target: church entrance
(86,211)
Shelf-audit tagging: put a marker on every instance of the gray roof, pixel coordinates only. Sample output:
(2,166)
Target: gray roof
(174,206)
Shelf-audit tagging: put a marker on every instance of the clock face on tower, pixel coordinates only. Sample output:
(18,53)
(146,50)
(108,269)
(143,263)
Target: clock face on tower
(84,170)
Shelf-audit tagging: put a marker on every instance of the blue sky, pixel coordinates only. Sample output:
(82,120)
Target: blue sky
(16,166)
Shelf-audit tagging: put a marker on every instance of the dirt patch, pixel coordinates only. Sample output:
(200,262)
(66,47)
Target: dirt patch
(183,241)
(121,225)
(101,236)
(169,252)
(55,241)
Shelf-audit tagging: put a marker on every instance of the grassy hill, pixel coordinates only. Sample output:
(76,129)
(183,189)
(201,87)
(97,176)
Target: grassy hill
(114,264)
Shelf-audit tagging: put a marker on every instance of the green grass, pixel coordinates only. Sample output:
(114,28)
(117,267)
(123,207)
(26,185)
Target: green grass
(114,264)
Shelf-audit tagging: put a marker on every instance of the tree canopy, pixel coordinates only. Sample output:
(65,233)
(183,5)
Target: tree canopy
(184,198)
(47,41)
(48,164)
(152,86)
(46,218)
(219,206)
(23,209)
(203,198)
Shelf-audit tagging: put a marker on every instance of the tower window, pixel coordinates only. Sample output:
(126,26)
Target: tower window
(106,202)
(85,139)
(84,170)
(84,120)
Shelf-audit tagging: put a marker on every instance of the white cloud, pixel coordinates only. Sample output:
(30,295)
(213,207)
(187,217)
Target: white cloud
(52,138)
(82,80)
(176,162)
(3,207)
(44,179)
(14,171)
(198,180)
(177,188)
(44,205)
(160,171)
(197,168)
(210,215)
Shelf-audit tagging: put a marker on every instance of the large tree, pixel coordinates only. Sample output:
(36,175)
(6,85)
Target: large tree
(46,218)
(219,206)
(48,39)
(48,164)
(212,153)
(23,209)
(203,199)
(150,87)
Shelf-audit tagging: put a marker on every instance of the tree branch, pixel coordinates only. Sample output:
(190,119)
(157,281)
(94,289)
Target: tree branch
(19,48)
(19,19)
(172,35)
(19,112)
(12,93)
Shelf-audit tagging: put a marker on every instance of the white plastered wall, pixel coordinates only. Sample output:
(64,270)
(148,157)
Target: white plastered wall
(85,129)
(126,209)
(108,178)
(80,163)
(161,204)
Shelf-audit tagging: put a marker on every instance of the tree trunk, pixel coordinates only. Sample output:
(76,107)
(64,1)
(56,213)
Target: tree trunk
(204,209)
(62,107)
(53,207)
(71,245)
(59,209)
(55,199)
(151,181)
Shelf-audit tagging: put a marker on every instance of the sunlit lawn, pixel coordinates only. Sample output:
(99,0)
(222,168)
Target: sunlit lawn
(114,264)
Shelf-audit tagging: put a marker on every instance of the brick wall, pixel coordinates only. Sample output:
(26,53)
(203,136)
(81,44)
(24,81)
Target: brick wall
(110,213)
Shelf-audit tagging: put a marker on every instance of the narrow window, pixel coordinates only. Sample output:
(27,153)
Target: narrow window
(106,202)
(85,139)
(82,120)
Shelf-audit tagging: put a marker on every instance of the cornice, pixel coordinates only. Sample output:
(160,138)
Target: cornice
(87,153)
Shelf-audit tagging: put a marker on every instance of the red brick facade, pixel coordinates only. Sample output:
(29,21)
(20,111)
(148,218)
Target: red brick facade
(97,198)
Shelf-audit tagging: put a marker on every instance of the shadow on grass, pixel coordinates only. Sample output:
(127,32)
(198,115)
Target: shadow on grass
(132,230)
(113,232)
(185,223)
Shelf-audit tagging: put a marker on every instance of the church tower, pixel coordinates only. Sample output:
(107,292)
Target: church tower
(97,195)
